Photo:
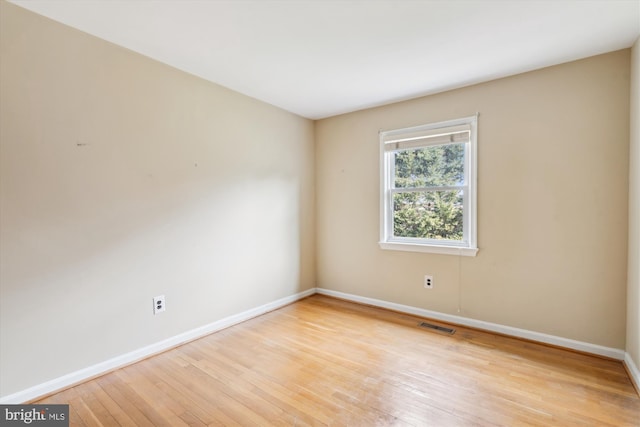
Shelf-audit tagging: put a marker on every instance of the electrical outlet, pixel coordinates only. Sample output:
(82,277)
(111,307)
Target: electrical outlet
(159,304)
(428,282)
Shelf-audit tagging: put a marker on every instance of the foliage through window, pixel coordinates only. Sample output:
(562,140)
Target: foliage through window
(428,187)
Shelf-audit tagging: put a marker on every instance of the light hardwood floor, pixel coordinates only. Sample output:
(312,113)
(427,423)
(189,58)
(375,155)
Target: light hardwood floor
(323,361)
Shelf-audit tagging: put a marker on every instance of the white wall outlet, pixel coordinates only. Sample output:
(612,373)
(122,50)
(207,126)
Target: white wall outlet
(159,304)
(428,282)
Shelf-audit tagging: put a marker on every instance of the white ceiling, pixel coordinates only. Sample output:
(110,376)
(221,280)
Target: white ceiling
(321,58)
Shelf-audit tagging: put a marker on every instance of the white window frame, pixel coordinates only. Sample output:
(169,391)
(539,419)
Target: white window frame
(426,135)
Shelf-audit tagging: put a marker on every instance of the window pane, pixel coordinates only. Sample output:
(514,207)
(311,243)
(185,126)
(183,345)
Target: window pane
(428,215)
(430,166)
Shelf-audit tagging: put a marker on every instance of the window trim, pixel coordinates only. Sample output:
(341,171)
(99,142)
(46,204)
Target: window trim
(387,241)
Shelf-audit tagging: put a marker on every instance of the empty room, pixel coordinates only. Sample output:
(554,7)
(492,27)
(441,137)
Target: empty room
(322,213)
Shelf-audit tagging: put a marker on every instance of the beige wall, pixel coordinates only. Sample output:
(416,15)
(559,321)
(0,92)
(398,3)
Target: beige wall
(552,202)
(633,290)
(122,179)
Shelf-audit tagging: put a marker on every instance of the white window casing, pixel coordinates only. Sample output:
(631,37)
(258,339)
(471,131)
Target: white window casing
(457,131)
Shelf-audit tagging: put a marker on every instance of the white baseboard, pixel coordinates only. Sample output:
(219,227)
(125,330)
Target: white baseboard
(633,370)
(613,353)
(142,353)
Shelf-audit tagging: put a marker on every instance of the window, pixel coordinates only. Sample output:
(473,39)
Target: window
(428,188)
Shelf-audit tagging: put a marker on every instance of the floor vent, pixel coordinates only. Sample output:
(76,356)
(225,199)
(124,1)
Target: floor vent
(438,328)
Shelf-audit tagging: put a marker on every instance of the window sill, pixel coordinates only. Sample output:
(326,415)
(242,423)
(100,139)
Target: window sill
(434,249)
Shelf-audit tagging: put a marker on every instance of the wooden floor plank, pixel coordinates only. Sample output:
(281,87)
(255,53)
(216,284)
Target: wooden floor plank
(113,387)
(326,362)
(120,416)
